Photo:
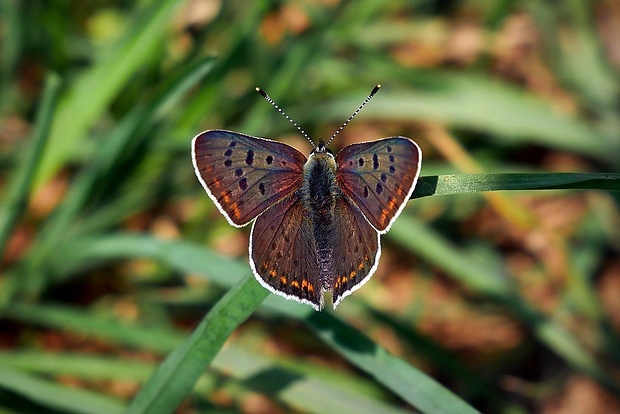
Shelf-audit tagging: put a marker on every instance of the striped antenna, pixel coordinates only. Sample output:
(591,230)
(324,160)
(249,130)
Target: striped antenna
(372,93)
(268,98)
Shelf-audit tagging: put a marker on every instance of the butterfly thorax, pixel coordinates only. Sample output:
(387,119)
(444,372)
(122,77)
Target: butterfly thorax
(319,193)
(319,185)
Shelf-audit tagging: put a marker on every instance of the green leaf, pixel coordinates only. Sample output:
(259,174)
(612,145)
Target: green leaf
(50,394)
(174,379)
(17,198)
(406,381)
(473,183)
(96,87)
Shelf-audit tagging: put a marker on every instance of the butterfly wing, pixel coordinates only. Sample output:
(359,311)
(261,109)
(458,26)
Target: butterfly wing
(357,248)
(283,253)
(379,177)
(245,175)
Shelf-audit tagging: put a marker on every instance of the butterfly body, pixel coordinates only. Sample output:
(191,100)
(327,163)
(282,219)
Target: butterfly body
(320,194)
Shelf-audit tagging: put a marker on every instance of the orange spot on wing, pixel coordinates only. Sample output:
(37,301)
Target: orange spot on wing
(283,280)
(235,210)
(352,274)
(384,215)
(272,273)
(360,266)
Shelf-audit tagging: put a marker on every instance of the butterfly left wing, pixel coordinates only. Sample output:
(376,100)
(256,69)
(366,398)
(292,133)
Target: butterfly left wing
(245,175)
(379,177)
(283,254)
(356,247)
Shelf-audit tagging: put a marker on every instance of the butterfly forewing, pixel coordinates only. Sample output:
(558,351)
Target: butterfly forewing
(283,252)
(379,177)
(245,175)
(356,248)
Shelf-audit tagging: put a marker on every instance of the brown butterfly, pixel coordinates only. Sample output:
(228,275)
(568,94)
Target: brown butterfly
(318,220)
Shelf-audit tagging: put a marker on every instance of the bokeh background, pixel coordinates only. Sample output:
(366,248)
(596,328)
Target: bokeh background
(511,300)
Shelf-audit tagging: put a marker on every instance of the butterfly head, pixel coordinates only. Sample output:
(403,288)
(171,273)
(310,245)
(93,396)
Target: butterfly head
(321,148)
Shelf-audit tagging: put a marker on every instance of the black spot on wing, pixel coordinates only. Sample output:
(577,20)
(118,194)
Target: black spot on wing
(249,159)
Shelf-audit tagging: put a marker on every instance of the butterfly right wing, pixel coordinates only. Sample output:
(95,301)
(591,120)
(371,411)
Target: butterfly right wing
(283,253)
(245,175)
(379,176)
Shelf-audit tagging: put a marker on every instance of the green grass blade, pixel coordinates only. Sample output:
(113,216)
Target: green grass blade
(409,383)
(121,137)
(404,380)
(12,39)
(156,340)
(57,396)
(307,393)
(301,392)
(89,367)
(17,197)
(184,256)
(174,379)
(474,183)
(93,91)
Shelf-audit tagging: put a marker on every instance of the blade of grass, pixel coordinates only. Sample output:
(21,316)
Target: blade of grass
(473,183)
(12,41)
(50,394)
(302,392)
(95,88)
(404,380)
(187,257)
(174,379)
(305,392)
(153,339)
(16,198)
(124,135)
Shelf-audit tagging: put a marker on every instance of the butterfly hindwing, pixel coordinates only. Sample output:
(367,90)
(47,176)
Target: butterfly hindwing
(356,247)
(283,253)
(379,176)
(245,175)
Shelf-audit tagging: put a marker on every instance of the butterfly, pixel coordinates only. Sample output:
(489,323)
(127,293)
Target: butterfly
(317,220)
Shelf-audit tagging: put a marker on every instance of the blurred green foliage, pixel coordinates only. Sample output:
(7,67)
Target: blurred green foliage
(112,253)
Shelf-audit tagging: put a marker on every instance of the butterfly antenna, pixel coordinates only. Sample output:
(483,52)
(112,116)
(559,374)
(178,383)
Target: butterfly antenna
(372,93)
(268,98)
